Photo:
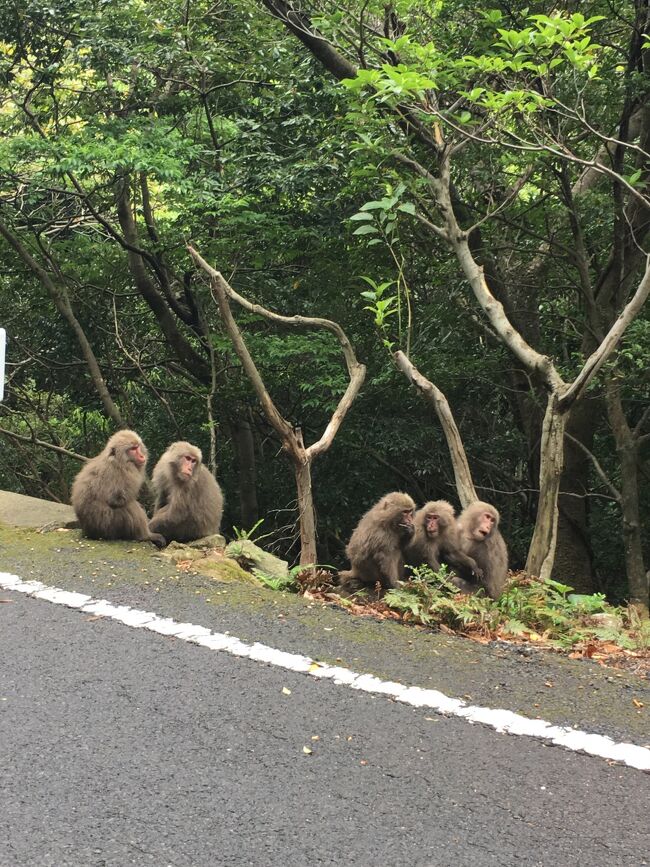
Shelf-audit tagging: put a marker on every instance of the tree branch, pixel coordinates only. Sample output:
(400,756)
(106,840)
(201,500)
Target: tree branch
(596,360)
(594,460)
(62,303)
(356,370)
(220,292)
(432,394)
(43,444)
(187,355)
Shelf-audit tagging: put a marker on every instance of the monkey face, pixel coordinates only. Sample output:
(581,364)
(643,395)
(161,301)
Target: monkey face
(186,465)
(436,517)
(485,523)
(432,524)
(136,453)
(406,524)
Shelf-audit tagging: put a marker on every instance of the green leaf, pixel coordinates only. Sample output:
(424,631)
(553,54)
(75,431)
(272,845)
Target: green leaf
(366,230)
(407,208)
(374,206)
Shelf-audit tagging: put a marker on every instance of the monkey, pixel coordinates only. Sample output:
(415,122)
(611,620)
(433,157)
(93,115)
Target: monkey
(376,547)
(480,538)
(104,492)
(437,539)
(189,502)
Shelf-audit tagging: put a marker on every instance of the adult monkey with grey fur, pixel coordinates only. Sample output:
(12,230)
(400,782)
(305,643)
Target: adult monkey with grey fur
(376,547)
(437,538)
(480,538)
(104,493)
(189,502)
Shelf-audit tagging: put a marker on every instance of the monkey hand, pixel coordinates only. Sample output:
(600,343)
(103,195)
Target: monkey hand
(158,540)
(478,572)
(117,501)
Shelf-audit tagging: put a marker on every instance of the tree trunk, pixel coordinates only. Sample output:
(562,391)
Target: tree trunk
(247,470)
(542,547)
(573,554)
(626,446)
(308,555)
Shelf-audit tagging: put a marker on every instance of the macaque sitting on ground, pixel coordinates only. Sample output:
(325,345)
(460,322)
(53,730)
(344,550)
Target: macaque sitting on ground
(189,502)
(480,539)
(437,538)
(376,547)
(104,493)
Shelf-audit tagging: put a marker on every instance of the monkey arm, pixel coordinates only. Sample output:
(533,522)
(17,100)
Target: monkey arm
(432,562)
(458,558)
(390,568)
(161,501)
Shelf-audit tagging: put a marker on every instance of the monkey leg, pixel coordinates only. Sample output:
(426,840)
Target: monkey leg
(139,526)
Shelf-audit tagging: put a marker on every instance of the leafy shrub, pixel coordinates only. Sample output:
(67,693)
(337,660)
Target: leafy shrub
(541,611)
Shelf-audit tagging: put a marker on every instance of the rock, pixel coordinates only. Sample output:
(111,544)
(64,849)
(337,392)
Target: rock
(176,552)
(223,569)
(207,561)
(250,557)
(52,526)
(19,510)
(214,541)
(605,620)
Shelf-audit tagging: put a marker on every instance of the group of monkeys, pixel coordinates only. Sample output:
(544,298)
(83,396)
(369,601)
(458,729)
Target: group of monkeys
(189,505)
(393,534)
(189,502)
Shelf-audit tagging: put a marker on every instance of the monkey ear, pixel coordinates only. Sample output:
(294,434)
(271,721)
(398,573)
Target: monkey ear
(111,454)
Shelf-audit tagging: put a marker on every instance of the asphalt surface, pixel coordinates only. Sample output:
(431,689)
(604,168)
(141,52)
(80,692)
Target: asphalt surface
(527,681)
(120,747)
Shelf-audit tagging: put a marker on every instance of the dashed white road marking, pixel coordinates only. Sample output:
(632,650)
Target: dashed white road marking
(500,720)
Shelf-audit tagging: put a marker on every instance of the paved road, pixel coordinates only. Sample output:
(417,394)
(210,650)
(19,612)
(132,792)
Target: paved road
(120,747)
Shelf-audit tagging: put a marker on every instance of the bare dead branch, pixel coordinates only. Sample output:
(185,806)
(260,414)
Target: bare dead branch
(432,394)
(609,343)
(594,460)
(42,444)
(356,371)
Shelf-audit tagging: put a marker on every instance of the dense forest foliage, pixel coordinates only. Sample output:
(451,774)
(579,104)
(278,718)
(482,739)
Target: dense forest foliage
(467,186)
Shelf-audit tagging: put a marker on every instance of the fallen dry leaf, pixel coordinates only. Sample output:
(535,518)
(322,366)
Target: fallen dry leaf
(610,647)
(637,703)
(307,751)
(286,691)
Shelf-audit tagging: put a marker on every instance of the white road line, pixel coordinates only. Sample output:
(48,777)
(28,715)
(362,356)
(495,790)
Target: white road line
(498,719)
